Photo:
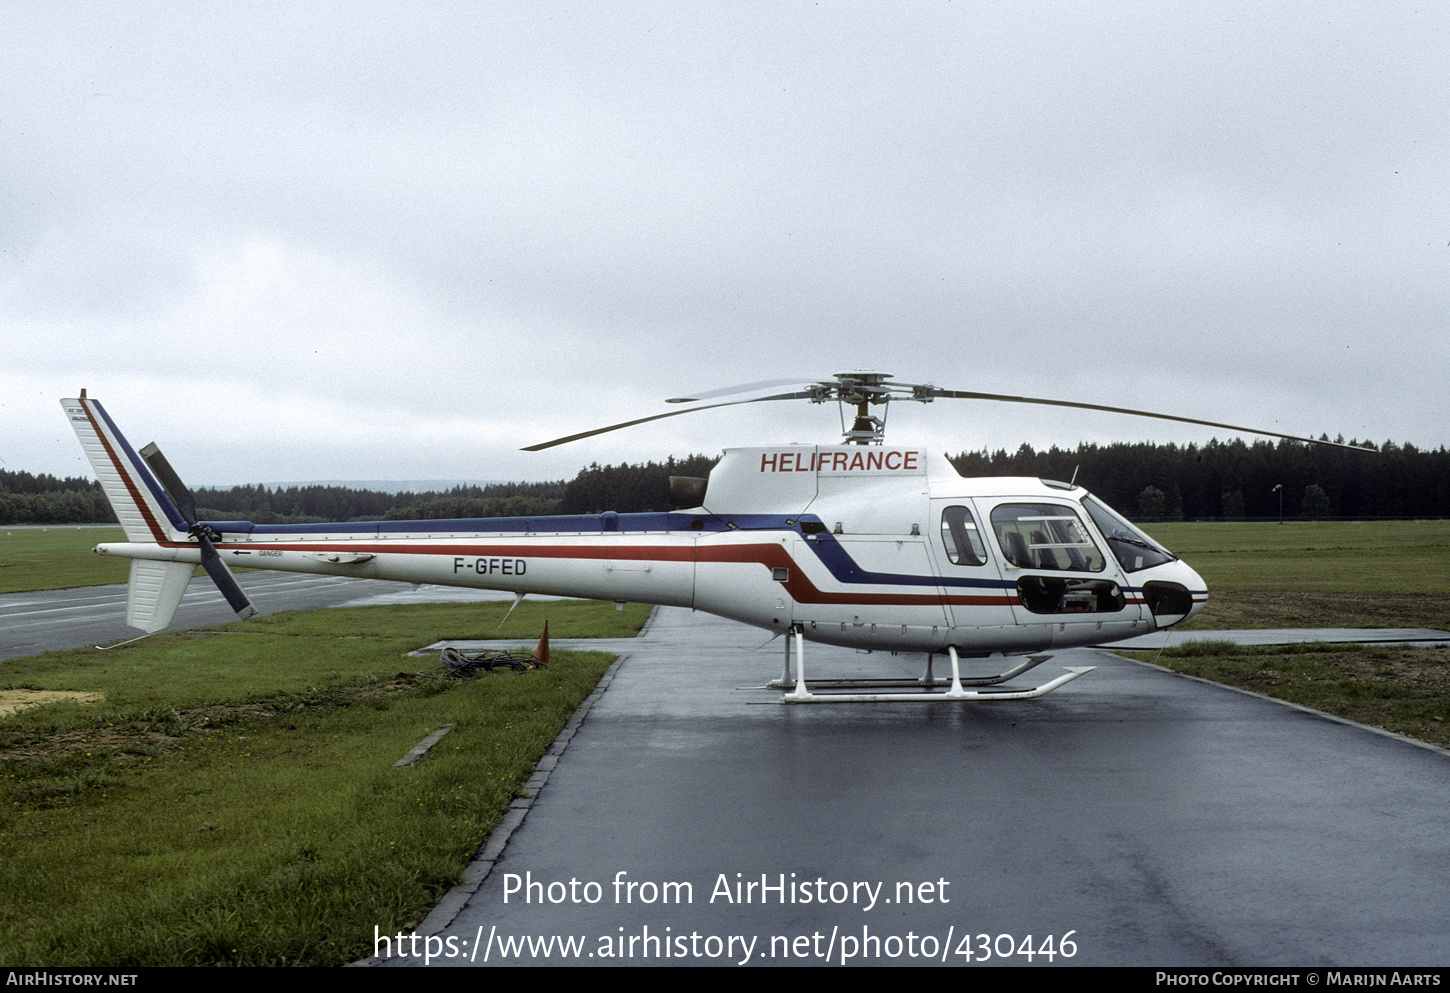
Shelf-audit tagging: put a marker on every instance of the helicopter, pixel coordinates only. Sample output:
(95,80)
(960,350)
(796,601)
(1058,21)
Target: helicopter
(877,547)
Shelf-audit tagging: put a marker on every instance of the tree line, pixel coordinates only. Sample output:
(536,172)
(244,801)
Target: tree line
(315,504)
(1233,480)
(1237,480)
(1220,480)
(630,489)
(47,499)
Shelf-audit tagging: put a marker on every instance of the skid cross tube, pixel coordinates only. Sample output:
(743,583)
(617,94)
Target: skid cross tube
(801,693)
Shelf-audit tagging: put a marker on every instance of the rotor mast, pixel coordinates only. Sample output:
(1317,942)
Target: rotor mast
(861,389)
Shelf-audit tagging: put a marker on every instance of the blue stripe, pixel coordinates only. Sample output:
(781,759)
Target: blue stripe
(844,569)
(825,546)
(605,523)
(142,471)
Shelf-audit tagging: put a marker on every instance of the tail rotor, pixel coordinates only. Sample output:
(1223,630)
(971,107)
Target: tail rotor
(211,559)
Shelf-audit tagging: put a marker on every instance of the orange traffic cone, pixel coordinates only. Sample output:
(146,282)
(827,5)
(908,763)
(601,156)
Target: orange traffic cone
(542,652)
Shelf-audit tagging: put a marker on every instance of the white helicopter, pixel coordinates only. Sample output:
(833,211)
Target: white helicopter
(864,545)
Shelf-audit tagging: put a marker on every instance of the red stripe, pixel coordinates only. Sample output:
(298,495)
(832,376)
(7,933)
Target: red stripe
(156,531)
(801,589)
(636,552)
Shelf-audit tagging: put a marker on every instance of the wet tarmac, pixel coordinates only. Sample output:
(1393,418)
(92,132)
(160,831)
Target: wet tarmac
(1133,817)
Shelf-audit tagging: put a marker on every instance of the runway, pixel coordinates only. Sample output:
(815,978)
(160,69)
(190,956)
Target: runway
(1148,818)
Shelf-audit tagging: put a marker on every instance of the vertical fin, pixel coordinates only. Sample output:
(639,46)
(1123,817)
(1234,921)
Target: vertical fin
(141,505)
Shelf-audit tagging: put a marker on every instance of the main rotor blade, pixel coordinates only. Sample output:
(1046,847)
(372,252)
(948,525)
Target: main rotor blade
(211,561)
(656,417)
(726,391)
(969,395)
(175,488)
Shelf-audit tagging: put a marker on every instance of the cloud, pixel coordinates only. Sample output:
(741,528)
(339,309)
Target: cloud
(325,241)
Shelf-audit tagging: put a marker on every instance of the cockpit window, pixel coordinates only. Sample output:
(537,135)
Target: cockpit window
(960,536)
(1045,536)
(1134,549)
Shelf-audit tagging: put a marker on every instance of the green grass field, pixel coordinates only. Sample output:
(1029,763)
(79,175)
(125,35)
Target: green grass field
(56,558)
(233,800)
(1399,688)
(1318,574)
(1341,574)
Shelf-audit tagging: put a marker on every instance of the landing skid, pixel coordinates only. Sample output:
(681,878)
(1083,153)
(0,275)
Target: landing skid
(802,692)
(925,681)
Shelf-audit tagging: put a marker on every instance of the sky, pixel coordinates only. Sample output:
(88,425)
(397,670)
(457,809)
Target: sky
(365,241)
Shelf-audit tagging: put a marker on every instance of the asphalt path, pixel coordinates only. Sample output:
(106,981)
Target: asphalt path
(1148,818)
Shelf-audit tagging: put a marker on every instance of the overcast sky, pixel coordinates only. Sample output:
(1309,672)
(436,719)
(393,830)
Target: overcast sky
(385,241)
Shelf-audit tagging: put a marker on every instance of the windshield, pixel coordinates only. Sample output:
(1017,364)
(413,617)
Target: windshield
(1134,549)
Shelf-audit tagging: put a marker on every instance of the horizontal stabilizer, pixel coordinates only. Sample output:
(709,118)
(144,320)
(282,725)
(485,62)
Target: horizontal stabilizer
(155,592)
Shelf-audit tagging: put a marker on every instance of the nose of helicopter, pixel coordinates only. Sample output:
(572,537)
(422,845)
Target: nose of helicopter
(1174,592)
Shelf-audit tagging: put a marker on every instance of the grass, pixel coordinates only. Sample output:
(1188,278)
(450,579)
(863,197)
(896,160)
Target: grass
(1398,688)
(1343,574)
(294,651)
(53,558)
(1318,574)
(234,799)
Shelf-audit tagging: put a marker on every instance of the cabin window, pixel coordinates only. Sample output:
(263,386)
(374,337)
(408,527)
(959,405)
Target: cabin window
(960,536)
(1045,536)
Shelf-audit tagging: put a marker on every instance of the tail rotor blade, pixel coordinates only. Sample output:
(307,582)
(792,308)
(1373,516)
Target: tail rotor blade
(175,488)
(211,561)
